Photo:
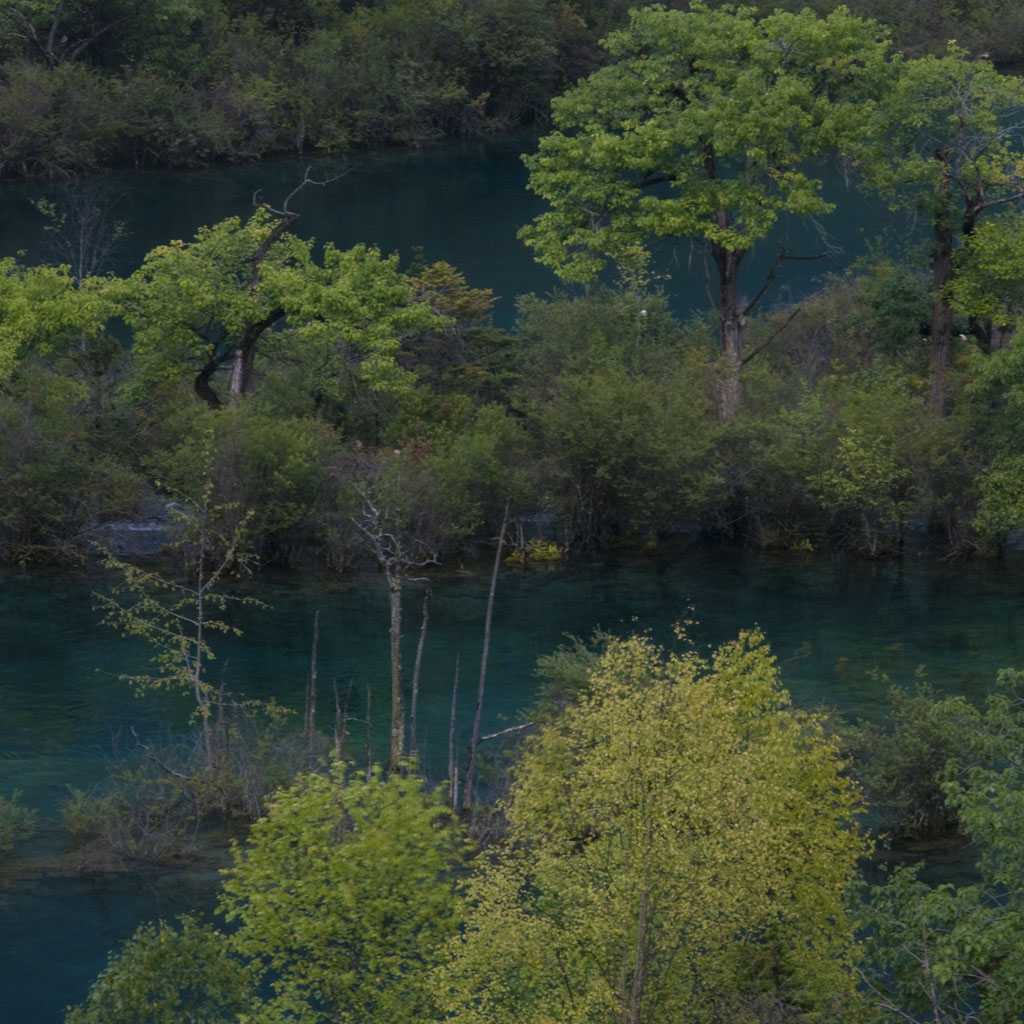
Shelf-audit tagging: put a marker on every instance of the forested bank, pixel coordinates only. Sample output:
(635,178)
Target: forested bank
(675,839)
(312,387)
(597,415)
(87,84)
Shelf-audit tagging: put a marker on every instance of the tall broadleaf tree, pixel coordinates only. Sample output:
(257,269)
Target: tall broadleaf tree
(705,128)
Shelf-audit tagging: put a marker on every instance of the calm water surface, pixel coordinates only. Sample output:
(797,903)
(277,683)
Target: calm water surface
(834,625)
(462,203)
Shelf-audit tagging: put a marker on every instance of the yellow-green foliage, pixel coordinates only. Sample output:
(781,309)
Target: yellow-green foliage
(536,550)
(40,306)
(169,974)
(681,841)
(346,896)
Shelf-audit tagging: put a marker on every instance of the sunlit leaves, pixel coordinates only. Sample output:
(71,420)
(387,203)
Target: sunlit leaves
(193,304)
(990,279)
(169,975)
(722,109)
(41,308)
(948,135)
(678,826)
(345,896)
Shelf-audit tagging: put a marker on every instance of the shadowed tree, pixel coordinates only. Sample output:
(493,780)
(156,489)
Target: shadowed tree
(948,144)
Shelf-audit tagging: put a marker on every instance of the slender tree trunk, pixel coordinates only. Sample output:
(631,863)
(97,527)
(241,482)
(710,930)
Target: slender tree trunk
(467,794)
(416,674)
(453,770)
(639,979)
(394,578)
(310,724)
(202,702)
(369,734)
(731,322)
(340,719)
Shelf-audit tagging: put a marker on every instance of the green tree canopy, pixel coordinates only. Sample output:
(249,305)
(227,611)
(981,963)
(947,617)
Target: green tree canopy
(41,307)
(680,845)
(703,128)
(345,897)
(989,283)
(205,305)
(169,975)
(947,144)
(953,953)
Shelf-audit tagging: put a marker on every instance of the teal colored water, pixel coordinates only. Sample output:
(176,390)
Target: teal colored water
(833,624)
(460,203)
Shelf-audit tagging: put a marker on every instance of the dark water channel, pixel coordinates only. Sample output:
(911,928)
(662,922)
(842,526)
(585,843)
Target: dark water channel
(460,203)
(833,624)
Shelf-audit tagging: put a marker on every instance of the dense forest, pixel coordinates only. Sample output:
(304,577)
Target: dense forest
(675,840)
(89,83)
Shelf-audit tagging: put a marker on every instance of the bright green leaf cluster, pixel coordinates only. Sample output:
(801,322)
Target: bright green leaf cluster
(41,306)
(703,128)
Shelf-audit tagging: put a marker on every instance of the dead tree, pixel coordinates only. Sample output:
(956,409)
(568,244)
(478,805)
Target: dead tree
(56,42)
(396,551)
(467,793)
(417,665)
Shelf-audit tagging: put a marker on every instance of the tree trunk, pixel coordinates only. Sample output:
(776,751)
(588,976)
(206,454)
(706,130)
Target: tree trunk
(453,768)
(310,716)
(202,701)
(467,793)
(731,322)
(243,378)
(202,386)
(394,577)
(416,673)
(639,979)
(242,370)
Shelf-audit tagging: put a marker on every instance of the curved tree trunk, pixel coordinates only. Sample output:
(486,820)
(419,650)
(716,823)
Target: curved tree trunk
(202,386)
